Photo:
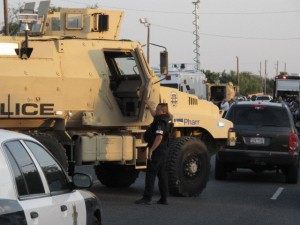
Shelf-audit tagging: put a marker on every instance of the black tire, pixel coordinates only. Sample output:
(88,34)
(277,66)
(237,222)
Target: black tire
(116,176)
(52,144)
(210,143)
(95,221)
(188,166)
(291,176)
(220,169)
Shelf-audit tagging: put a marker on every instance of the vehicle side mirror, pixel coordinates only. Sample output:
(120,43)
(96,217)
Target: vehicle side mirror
(81,180)
(164,63)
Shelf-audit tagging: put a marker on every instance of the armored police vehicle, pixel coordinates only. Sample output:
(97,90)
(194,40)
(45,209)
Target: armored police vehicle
(35,190)
(72,83)
(186,79)
(217,92)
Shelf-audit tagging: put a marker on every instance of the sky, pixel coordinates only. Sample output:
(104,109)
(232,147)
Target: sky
(253,30)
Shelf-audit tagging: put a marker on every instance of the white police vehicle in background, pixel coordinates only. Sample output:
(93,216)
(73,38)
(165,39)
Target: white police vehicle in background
(35,190)
(185,78)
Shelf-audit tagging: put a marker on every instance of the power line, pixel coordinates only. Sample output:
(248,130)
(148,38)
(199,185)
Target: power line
(228,36)
(189,13)
(206,13)
(252,13)
(151,11)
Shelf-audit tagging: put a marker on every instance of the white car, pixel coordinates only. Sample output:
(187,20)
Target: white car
(35,190)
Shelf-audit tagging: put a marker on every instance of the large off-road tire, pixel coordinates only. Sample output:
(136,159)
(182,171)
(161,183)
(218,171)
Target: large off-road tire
(115,175)
(220,169)
(188,166)
(96,221)
(291,175)
(52,144)
(210,143)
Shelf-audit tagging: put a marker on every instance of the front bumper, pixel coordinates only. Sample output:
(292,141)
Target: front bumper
(248,158)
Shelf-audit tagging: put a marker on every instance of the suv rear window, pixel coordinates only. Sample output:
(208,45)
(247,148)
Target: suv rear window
(259,115)
(262,98)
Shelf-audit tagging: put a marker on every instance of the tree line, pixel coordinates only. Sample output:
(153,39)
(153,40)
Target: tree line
(249,83)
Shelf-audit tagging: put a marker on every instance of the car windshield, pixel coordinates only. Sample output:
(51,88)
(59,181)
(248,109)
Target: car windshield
(259,116)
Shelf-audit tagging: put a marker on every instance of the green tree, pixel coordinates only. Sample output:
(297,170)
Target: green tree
(212,77)
(13,28)
(13,23)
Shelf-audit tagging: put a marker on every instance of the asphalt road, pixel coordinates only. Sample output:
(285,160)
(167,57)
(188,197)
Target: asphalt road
(244,198)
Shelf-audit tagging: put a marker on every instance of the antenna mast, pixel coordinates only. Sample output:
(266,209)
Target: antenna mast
(197,36)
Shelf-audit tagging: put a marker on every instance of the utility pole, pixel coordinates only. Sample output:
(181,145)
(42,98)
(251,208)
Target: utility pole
(238,75)
(265,91)
(284,66)
(262,80)
(277,68)
(5,11)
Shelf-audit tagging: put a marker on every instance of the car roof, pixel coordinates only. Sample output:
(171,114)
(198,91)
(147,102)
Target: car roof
(7,135)
(275,104)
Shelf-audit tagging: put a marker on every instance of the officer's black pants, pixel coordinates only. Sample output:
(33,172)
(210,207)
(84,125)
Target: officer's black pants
(156,167)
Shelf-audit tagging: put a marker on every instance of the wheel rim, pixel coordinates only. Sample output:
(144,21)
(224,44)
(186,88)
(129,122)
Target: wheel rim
(192,166)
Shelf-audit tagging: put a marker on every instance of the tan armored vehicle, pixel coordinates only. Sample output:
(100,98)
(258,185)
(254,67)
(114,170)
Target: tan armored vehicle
(80,90)
(217,92)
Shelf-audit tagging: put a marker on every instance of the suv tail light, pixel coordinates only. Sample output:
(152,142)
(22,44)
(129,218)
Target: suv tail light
(293,143)
(231,140)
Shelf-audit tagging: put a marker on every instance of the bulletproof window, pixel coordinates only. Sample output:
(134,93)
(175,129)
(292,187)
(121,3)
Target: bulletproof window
(55,24)
(103,23)
(121,64)
(54,174)
(24,169)
(218,93)
(74,21)
(100,22)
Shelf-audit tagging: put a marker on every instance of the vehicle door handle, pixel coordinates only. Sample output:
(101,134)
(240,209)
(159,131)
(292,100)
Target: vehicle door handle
(63,208)
(34,215)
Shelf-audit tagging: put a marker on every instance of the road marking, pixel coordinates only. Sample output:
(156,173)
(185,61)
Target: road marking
(277,193)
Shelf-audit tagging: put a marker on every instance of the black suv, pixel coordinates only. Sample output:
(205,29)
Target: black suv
(264,137)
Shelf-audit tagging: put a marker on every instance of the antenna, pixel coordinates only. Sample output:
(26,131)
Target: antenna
(197,36)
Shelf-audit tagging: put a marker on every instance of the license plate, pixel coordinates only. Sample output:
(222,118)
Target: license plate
(257,141)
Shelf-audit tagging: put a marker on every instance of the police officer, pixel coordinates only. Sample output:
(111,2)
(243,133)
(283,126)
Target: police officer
(157,136)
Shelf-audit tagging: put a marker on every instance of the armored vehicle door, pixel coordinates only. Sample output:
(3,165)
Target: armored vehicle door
(128,79)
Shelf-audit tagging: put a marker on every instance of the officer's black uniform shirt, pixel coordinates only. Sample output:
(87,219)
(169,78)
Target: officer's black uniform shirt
(159,126)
